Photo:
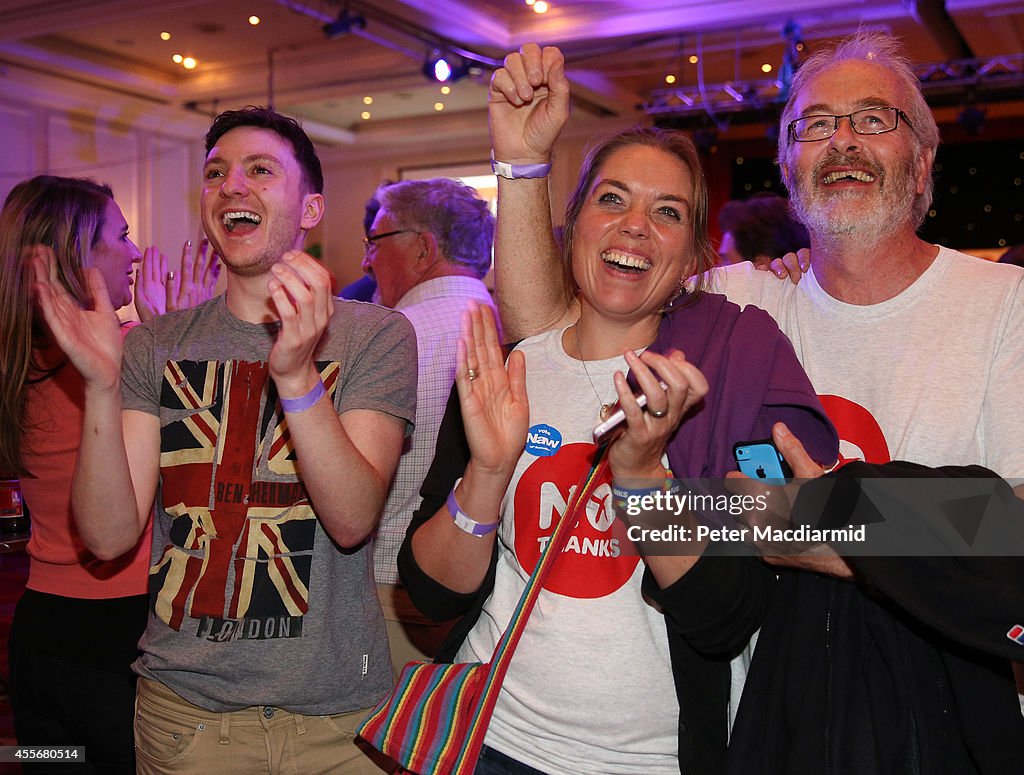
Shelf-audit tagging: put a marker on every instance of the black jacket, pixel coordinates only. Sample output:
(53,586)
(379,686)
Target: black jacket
(904,671)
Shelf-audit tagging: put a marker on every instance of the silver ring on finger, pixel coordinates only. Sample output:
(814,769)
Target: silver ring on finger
(657,412)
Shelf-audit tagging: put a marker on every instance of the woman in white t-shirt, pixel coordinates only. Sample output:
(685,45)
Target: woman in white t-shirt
(624,666)
(600,679)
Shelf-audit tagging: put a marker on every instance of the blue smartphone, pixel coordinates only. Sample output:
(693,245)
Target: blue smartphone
(762,461)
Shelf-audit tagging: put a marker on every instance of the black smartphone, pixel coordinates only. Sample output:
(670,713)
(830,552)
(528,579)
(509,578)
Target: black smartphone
(762,461)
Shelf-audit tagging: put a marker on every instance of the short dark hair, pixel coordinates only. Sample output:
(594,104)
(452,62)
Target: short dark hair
(288,128)
(762,226)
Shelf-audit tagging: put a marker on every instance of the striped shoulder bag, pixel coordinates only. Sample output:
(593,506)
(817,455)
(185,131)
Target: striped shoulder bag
(435,719)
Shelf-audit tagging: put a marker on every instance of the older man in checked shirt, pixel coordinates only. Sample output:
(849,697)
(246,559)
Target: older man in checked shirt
(428,248)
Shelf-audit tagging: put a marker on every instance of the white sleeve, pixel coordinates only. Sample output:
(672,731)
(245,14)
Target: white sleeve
(1004,405)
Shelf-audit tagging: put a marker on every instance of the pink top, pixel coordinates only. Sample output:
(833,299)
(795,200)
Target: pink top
(60,563)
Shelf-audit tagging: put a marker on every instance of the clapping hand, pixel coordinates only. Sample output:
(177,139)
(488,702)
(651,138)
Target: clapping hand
(91,338)
(495,407)
(158,290)
(300,290)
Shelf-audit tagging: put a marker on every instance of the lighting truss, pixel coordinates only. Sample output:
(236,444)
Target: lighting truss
(990,79)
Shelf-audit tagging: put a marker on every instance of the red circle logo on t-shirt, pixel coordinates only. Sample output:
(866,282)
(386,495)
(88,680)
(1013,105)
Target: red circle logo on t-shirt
(860,437)
(598,557)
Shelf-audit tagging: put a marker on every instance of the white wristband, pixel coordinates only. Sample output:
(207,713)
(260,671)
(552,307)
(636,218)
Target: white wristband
(519,171)
(463,521)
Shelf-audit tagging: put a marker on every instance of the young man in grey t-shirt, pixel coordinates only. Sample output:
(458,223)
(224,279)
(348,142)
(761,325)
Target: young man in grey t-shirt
(265,425)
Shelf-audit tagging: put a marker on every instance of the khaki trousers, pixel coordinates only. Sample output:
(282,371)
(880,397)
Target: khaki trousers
(175,736)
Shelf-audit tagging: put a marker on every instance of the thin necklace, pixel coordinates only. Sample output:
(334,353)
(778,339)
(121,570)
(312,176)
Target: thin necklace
(606,407)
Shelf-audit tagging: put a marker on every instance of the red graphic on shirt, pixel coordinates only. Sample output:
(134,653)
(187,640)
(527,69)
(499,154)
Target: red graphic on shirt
(860,437)
(598,558)
(242,528)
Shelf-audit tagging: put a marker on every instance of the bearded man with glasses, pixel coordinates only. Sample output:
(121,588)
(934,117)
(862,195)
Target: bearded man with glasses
(883,664)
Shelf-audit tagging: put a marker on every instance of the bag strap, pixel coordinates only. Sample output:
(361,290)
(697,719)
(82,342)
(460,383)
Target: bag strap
(503,652)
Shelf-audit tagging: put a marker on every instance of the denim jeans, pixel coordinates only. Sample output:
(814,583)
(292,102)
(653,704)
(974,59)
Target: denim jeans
(493,762)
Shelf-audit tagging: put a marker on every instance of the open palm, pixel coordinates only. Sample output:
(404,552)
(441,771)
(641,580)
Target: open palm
(91,338)
(495,407)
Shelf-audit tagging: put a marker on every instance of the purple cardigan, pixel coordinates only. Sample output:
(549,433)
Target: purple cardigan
(754,378)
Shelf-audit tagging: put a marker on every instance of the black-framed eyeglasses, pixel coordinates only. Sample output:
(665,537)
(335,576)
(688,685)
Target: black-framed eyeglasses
(370,240)
(866,121)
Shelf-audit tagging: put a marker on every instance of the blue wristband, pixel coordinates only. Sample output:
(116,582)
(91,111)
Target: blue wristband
(518,171)
(621,495)
(463,521)
(304,402)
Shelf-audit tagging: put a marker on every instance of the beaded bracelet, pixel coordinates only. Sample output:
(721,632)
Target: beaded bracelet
(303,403)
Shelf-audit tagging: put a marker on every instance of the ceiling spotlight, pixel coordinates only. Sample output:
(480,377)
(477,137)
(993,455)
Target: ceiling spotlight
(344,24)
(443,67)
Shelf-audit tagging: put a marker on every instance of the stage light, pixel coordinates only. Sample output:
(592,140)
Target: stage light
(443,67)
(344,24)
